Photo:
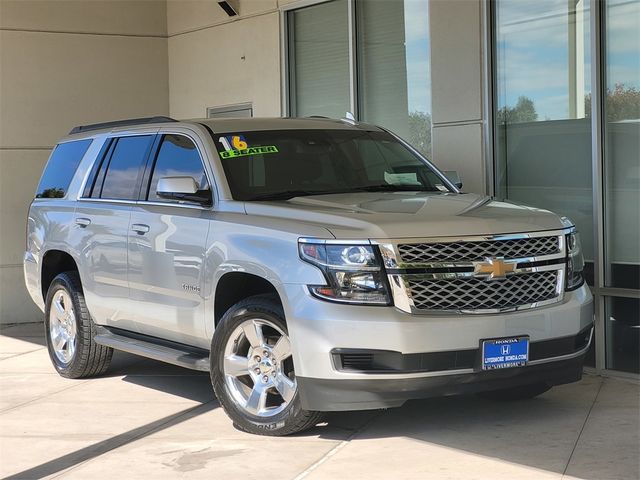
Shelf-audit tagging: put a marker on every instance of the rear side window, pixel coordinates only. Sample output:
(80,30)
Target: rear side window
(177,157)
(120,174)
(61,168)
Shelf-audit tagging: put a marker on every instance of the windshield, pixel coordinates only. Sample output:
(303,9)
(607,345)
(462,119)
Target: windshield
(282,164)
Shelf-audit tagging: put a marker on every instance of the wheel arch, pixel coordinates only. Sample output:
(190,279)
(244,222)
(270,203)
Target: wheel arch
(233,287)
(55,262)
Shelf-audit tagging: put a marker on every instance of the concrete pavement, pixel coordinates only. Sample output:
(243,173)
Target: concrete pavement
(149,420)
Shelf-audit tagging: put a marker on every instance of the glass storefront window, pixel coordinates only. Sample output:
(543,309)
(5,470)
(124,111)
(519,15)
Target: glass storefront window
(393,68)
(543,129)
(622,145)
(623,334)
(383,73)
(319,60)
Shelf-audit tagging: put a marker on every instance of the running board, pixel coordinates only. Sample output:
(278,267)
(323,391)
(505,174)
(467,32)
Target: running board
(168,352)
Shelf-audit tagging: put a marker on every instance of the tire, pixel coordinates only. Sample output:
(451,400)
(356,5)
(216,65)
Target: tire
(516,393)
(255,326)
(69,330)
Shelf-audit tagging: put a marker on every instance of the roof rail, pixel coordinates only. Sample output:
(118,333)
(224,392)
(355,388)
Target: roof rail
(121,123)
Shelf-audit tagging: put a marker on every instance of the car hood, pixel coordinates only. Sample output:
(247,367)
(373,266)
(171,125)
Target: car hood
(382,215)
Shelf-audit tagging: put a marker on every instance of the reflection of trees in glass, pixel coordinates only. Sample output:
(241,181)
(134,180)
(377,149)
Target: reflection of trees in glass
(52,193)
(420,131)
(623,103)
(524,111)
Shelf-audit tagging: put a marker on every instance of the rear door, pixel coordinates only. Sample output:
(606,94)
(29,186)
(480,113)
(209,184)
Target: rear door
(167,241)
(101,227)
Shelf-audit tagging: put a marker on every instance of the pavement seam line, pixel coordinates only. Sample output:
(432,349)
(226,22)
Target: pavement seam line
(306,472)
(9,409)
(584,424)
(14,355)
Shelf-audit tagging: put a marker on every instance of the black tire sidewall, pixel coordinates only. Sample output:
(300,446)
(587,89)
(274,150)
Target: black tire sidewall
(65,281)
(260,308)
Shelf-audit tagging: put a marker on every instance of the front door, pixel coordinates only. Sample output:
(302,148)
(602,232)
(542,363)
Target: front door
(167,242)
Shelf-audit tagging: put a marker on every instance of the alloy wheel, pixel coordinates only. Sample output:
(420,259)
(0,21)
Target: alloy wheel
(62,327)
(258,368)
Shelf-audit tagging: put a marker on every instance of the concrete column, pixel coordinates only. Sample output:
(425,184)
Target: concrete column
(457,89)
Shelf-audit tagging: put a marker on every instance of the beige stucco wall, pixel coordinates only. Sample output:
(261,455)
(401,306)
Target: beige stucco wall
(215,60)
(64,63)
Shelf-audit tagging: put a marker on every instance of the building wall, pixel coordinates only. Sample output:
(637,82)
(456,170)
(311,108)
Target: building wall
(66,63)
(216,60)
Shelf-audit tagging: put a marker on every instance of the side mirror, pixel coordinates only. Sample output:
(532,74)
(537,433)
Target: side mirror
(453,177)
(182,189)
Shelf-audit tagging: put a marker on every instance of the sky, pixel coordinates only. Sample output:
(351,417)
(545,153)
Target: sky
(533,51)
(416,25)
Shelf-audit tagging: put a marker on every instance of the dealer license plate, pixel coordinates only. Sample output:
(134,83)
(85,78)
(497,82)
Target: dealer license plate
(505,353)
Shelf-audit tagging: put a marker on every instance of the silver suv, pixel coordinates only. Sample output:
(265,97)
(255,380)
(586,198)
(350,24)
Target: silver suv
(309,265)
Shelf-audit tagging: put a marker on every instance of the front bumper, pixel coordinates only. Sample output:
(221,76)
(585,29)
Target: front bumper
(318,329)
(366,394)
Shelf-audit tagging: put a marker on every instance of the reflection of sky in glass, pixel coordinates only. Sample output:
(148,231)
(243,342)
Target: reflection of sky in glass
(623,43)
(416,25)
(533,54)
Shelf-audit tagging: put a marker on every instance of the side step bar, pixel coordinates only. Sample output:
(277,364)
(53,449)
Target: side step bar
(168,352)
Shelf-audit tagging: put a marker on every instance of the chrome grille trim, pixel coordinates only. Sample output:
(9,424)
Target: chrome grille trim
(472,293)
(404,277)
(471,251)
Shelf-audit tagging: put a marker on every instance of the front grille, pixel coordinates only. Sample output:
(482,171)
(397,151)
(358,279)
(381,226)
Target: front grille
(477,251)
(471,293)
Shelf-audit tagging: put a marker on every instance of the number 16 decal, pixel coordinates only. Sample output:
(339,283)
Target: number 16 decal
(233,142)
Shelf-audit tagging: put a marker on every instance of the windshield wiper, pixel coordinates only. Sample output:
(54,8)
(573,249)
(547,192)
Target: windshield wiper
(287,194)
(386,187)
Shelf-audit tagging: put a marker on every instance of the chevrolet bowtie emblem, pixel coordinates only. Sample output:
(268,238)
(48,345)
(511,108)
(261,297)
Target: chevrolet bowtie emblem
(494,268)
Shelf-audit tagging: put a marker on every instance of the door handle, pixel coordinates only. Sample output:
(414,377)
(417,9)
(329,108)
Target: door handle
(83,222)
(140,228)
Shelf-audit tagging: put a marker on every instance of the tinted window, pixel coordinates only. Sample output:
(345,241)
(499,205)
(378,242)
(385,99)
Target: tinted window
(264,165)
(177,157)
(125,168)
(60,169)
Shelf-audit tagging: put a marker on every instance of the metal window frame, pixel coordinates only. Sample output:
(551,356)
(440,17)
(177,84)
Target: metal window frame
(287,61)
(598,83)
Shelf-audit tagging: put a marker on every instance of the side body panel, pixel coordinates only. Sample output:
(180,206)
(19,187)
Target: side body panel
(166,271)
(101,252)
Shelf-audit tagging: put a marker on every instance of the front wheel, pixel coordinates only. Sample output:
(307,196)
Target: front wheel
(252,370)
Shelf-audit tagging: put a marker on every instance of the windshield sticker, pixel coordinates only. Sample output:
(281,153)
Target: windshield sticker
(237,146)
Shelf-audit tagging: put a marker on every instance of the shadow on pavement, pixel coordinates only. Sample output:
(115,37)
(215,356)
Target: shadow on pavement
(28,332)
(91,451)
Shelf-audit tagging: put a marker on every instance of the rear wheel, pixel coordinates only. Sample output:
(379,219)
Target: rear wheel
(516,393)
(252,370)
(69,331)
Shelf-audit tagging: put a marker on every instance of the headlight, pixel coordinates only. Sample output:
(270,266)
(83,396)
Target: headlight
(575,261)
(353,273)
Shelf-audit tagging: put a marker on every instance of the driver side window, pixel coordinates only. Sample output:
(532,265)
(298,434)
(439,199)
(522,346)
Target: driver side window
(177,157)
